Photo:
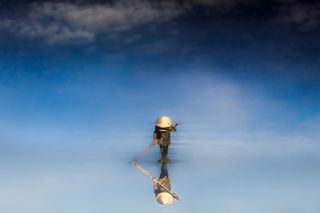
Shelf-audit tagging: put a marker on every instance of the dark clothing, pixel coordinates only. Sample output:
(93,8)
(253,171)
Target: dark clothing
(162,135)
(164,180)
(164,151)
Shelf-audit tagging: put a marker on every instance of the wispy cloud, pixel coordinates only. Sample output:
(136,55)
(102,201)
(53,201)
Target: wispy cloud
(58,22)
(305,15)
(65,21)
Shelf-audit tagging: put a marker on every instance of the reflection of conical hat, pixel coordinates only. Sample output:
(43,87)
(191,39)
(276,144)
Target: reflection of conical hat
(164,122)
(164,198)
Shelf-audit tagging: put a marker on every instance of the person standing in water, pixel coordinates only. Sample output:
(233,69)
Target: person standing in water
(162,195)
(161,135)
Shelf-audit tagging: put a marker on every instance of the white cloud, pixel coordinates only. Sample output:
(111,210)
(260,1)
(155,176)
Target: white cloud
(70,21)
(59,22)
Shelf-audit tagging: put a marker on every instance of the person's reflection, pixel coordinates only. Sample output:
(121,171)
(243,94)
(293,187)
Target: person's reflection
(162,187)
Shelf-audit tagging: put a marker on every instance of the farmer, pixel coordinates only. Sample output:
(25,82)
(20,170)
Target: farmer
(161,135)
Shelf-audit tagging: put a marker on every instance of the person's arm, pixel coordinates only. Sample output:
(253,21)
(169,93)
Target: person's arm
(154,139)
(173,128)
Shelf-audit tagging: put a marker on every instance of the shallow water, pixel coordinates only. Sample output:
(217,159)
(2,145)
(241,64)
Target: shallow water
(210,174)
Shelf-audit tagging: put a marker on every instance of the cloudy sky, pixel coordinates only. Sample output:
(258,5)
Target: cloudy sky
(81,84)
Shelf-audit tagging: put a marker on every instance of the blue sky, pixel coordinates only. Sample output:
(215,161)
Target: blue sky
(81,85)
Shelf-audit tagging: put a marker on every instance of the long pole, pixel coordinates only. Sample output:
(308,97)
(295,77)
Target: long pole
(145,152)
(146,173)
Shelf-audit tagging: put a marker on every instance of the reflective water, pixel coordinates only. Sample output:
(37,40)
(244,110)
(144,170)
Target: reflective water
(213,174)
